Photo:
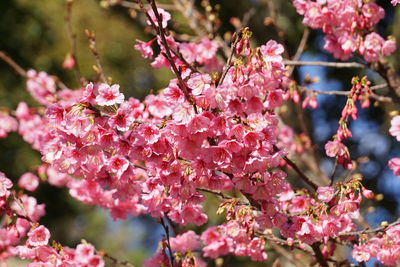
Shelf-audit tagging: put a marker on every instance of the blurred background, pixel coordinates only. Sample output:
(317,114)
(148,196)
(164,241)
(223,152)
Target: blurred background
(34,34)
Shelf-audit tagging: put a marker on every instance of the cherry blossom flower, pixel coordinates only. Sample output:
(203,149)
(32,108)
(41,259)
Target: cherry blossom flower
(5,185)
(165,17)
(109,95)
(38,237)
(7,124)
(28,181)
(395,127)
(394,165)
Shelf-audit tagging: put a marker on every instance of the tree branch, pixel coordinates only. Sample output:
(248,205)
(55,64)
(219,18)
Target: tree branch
(318,254)
(18,69)
(325,64)
(72,40)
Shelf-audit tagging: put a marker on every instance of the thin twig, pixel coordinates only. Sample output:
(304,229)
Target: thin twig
(325,64)
(72,40)
(180,56)
(166,229)
(345,93)
(300,49)
(223,196)
(92,45)
(273,11)
(283,252)
(134,5)
(160,31)
(298,171)
(247,16)
(371,231)
(390,75)
(334,172)
(229,61)
(18,69)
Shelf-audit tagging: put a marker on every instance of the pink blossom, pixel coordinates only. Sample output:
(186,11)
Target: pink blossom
(84,252)
(325,193)
(361,254)
(7,124)
(199,82)
(41,86)
(394,165)
(388,48)
(5,185)
(164,15)
(38,237)
(185,242)
(395,127)
(145,48)
(206,50)
(118,165)
(28,181)
(69,62)
(109,95)
(367,193)
(395,2)
(272,51)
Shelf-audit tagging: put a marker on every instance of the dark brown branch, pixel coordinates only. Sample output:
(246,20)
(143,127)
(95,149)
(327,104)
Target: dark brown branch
(298,171)
(389,74)
(167,236)
(318,254)
(18,69)
(160,31)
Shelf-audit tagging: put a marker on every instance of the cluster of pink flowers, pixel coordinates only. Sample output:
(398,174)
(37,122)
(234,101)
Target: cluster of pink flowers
(7,124)
(204,132)
(153,156)
(22,213)
(336,149)
(41,254)
(385,247)
(348,26)
(185,247)
(395,2)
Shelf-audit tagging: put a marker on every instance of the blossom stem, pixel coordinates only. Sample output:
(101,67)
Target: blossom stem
(371,231)
(318,254)
(300,49)
(229,61)
(389,74)
(166,229)
(334,172)
(325,64)
(160,31)
(72,40)
(298,171)
(92,45)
